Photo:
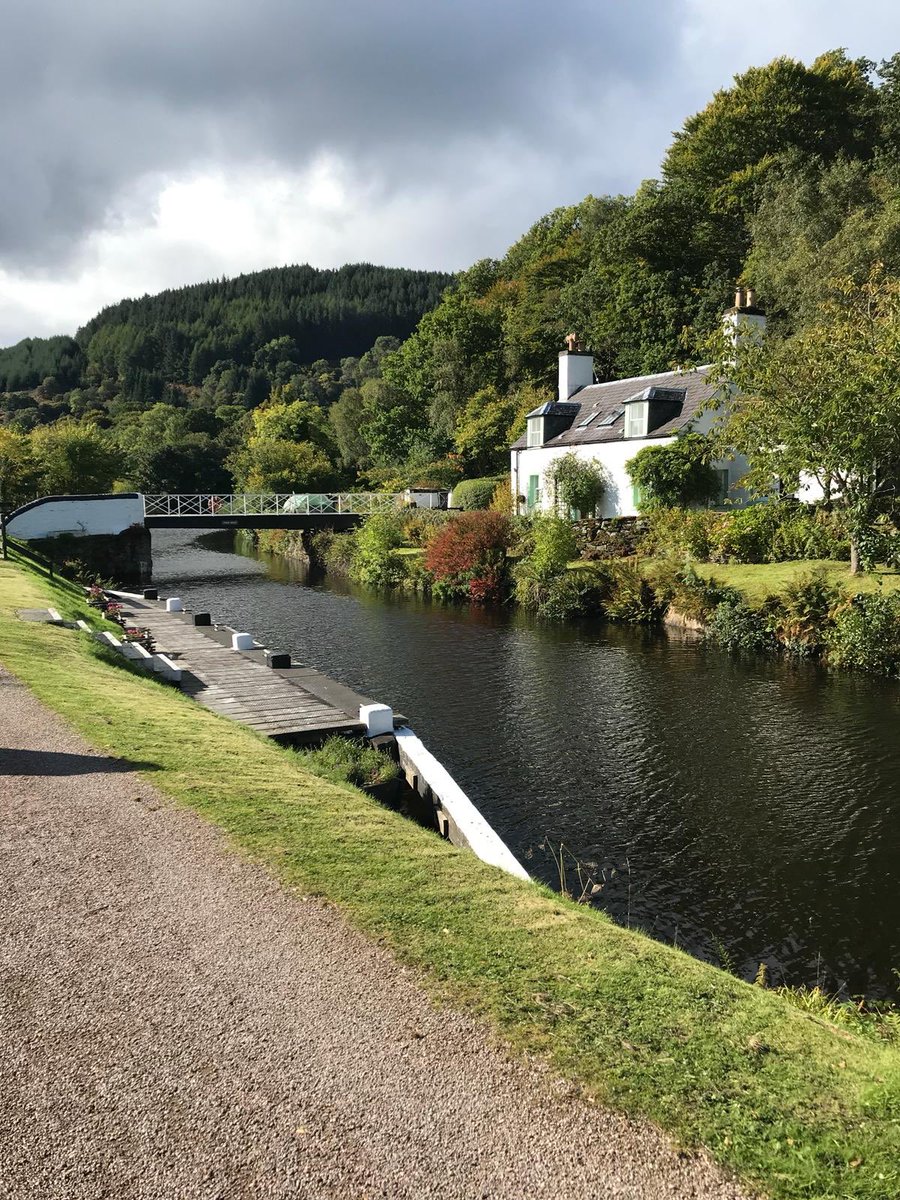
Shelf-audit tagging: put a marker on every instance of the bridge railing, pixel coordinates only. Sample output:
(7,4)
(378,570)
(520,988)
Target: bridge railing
(264,504)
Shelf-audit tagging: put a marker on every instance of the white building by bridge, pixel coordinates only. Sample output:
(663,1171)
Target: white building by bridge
(610,422)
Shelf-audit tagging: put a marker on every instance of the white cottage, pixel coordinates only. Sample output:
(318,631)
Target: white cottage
(611,422)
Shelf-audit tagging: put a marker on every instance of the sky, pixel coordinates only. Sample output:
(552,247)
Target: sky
(150,145)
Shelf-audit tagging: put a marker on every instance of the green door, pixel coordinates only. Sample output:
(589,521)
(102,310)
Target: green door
(533,491)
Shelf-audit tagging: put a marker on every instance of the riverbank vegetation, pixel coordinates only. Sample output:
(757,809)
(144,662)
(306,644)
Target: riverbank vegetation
(794,1097)
(766,579)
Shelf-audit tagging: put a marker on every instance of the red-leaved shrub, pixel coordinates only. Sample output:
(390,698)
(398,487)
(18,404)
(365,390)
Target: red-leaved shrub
(467,557)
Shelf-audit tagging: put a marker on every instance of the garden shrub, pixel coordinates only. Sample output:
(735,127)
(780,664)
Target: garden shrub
(865,634)
(693,595)
(466,558)
(375,559)
(336,550)
(747,535)
(420,524)
(801,613)
(472,494)
(683,532)
(574,594)
(550,548)
(757,534)
(737,627)
(630,596)
(676,474)
(576,484)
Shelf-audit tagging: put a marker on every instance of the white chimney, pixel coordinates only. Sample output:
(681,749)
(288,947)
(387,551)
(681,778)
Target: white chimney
(745,322)
(576,370)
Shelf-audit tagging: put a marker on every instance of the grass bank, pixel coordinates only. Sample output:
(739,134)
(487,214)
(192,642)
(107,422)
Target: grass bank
(758,580)
(792,1104)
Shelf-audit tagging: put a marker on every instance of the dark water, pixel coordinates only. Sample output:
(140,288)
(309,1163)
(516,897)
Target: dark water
(749,812)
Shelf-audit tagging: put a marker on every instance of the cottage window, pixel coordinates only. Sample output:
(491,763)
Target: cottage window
(636,415)
(535,432)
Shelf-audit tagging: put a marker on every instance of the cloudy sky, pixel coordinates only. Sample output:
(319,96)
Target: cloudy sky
(152,144)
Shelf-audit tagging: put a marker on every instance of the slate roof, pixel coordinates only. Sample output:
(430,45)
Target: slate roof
(605,399)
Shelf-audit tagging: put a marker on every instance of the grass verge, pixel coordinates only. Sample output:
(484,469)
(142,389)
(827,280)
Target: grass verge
(759,580)
(791,1103)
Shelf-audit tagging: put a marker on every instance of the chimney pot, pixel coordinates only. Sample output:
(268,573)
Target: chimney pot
(739,298)
(751,297)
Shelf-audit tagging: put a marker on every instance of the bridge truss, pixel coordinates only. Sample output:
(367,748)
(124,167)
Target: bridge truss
(271,504)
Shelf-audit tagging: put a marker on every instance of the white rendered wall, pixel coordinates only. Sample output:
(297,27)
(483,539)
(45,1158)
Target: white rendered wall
(79,516)
(618,500)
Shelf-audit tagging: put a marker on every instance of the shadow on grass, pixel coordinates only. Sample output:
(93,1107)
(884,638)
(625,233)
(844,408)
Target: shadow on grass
(51,762)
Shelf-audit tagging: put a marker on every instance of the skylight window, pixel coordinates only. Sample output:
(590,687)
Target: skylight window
(587,420)
(611,418)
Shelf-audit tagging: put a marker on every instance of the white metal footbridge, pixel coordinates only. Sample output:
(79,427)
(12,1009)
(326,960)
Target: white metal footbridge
(50,516)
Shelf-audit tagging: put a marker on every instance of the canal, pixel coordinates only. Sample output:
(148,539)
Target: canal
(746,811)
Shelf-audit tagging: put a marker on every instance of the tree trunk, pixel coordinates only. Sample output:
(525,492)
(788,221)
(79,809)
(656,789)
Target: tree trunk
(854,555)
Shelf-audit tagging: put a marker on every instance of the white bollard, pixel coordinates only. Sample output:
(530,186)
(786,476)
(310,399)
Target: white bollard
(165,667)
(242,641)
(377,718)
(173,604)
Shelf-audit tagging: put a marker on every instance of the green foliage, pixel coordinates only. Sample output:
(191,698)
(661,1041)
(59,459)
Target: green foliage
(825,403)
(17,468)
(470,494)
(694,596)
(489,423)
(865,635)
(345,761)
(755,534)
(540,573)
(737,627)
(631,597)
(73,458)
(376,561)
(692,533)
(572,594)
(677,475)
(29,362)
(420,524)
(801,614)
(277,465)
(576,484)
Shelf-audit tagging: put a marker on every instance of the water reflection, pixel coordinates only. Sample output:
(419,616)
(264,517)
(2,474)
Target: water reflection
(747,811)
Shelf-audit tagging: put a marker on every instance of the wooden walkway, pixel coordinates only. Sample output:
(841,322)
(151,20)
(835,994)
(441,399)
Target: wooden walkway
(294,704)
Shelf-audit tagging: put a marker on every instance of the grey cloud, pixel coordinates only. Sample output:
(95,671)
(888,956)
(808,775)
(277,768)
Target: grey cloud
(95,96)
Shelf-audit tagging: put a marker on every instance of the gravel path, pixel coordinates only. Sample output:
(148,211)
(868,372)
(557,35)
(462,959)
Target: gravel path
(174,1023)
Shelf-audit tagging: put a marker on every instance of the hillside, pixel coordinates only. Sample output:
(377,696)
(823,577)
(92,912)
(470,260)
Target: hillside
(137,348)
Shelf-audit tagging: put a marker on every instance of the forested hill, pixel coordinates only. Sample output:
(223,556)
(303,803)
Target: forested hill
(178,336)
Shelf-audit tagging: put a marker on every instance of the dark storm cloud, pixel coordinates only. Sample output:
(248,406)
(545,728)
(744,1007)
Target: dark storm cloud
(97,95)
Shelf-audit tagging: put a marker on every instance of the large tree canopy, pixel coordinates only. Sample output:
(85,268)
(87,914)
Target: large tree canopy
(824,405)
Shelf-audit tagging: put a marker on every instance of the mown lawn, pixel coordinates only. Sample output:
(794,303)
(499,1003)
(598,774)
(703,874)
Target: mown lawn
(792,1104)
(758,580)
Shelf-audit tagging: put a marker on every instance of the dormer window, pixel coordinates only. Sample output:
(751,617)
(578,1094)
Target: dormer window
(535,432)
(636,414)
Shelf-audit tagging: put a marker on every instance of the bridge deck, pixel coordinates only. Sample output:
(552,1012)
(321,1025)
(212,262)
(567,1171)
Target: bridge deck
(296,704)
